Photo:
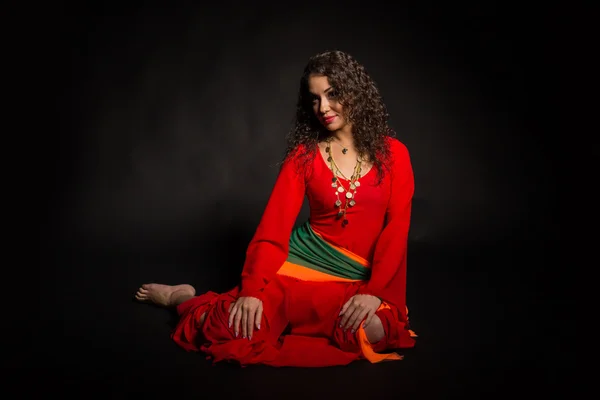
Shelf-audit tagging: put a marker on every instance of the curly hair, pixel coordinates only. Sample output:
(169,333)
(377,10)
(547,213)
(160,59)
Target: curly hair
(363,107)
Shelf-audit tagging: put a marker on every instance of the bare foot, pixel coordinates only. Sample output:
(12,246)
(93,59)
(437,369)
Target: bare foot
(164,295)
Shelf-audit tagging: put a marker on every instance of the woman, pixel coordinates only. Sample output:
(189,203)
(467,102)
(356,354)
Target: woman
(332,290)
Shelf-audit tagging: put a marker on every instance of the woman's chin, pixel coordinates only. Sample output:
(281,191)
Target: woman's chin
(332,127)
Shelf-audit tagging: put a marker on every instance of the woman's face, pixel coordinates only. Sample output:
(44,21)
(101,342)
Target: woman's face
(327,108)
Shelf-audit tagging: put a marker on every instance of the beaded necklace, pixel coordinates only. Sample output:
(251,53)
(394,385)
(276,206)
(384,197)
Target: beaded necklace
(350,191)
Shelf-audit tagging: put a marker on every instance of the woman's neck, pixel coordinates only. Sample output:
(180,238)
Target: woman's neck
(343,136)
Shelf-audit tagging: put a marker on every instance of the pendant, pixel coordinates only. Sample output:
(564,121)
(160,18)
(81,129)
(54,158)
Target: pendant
(344,150)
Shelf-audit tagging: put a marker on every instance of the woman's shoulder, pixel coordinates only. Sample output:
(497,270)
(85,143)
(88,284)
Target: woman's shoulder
(302,158)
(397,147)
(299,151)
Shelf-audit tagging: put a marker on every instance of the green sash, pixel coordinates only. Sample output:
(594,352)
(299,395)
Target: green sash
(311,251)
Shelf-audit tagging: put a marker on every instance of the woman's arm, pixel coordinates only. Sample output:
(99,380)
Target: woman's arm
(268,249)
(388,276)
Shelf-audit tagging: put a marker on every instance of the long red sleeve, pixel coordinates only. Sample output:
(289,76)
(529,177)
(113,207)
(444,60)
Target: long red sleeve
(388,277)
(268,249)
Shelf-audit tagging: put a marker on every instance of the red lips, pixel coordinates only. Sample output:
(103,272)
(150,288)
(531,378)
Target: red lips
(328,120)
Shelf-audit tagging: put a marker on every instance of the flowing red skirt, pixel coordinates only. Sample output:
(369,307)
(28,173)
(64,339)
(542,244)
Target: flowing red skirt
(300,327)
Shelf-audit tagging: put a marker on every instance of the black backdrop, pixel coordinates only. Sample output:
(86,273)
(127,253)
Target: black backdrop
(177,111)
(172,119)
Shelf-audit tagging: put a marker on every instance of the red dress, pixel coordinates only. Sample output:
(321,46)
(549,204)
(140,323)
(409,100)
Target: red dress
(300,325)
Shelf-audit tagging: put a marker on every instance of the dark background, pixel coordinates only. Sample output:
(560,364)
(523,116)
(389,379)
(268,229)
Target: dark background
(170,121)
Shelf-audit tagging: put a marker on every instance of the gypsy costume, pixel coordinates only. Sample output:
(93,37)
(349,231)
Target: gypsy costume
(354,242)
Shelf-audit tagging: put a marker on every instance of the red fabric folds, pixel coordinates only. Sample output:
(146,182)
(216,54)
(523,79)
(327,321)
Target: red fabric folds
(300,326)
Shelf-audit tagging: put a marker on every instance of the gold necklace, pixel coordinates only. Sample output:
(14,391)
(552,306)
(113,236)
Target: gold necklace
(350,200)
(344,148)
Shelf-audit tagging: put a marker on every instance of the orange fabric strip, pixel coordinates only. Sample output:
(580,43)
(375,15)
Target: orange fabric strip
(367,347)
(308,274)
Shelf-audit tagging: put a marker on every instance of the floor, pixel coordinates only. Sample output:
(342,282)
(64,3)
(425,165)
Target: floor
(478,312)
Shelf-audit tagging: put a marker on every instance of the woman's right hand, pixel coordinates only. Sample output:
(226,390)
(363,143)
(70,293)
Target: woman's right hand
(245,313)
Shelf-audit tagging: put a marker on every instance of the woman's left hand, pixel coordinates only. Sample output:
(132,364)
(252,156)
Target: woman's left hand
(356,309)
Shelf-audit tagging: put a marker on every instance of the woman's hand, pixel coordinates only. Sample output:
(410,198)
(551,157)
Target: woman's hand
(356,309)
(247,311)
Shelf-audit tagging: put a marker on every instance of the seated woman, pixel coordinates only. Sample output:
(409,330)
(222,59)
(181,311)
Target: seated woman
(332,290)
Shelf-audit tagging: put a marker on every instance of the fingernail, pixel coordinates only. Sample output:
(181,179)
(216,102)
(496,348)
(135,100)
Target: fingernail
(229,326)
(258,326)
(243,337)
(236,334)
(352,331)
(249,338)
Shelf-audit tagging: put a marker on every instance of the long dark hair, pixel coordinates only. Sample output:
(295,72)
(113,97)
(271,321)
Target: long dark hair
(363,107)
